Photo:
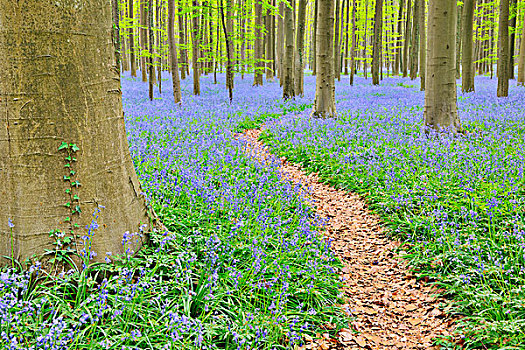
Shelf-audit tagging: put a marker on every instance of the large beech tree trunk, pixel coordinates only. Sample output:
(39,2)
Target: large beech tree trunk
(299,44)
(440,93)
(63,87)
(378,34)
(503,49)
(324,104)
(288,84)
(174,64)
(467,64)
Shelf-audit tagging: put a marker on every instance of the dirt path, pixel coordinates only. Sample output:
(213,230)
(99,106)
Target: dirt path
(391,310)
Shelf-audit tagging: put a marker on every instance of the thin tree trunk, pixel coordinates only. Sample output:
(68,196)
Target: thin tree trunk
(177,95)
(132,59)
(347,39)
(124,56)
(280,42)
(398,62)
(407,39)
(503,49)
(195,48)
(182,43)
(521,59)
(324,104)
(422,44)
(378,31)
(116,32)
(151,70)
(337,48)
(242,24)
(288,83)
(365,50)
(258,52)
(459,30)
(299,44)
(512,37)
(440,94)
(160,24)
(314,36)
(467,65)
(354,39)
(143,38)
(415,40)
(227,27)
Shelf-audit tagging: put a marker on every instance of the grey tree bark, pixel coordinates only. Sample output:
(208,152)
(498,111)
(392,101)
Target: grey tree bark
(182,43)
(398,60)
(440,93)
(280,43)
(422,44)
(521,59)
(174,64)
(133,62)
(414,49)
(354,39)
(467,63)
(503,49)
(337,48)
(513,14)
(459,30)
(143,38)
(195,48)
(324,104)
(288,78)
(347,39)
(316,12)
(299,44)
(54,88)
(407,40)
(378,34)
(258,45)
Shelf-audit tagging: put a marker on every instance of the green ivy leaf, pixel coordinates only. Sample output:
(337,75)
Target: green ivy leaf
(67,178)
(68,190)
(67,205)
(67,219)
(72,172)
(64,145)
(75,197)
(74,148)
(67,165)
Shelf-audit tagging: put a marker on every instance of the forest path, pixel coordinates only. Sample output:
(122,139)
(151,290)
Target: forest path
(389,307)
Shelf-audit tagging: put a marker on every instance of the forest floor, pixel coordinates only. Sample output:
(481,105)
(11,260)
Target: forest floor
(389,307)
(373,219)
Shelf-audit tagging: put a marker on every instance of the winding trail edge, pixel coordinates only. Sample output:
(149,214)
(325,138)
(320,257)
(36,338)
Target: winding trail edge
(388,307)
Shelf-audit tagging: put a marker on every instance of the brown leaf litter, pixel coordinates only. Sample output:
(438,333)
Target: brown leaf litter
(388,307)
